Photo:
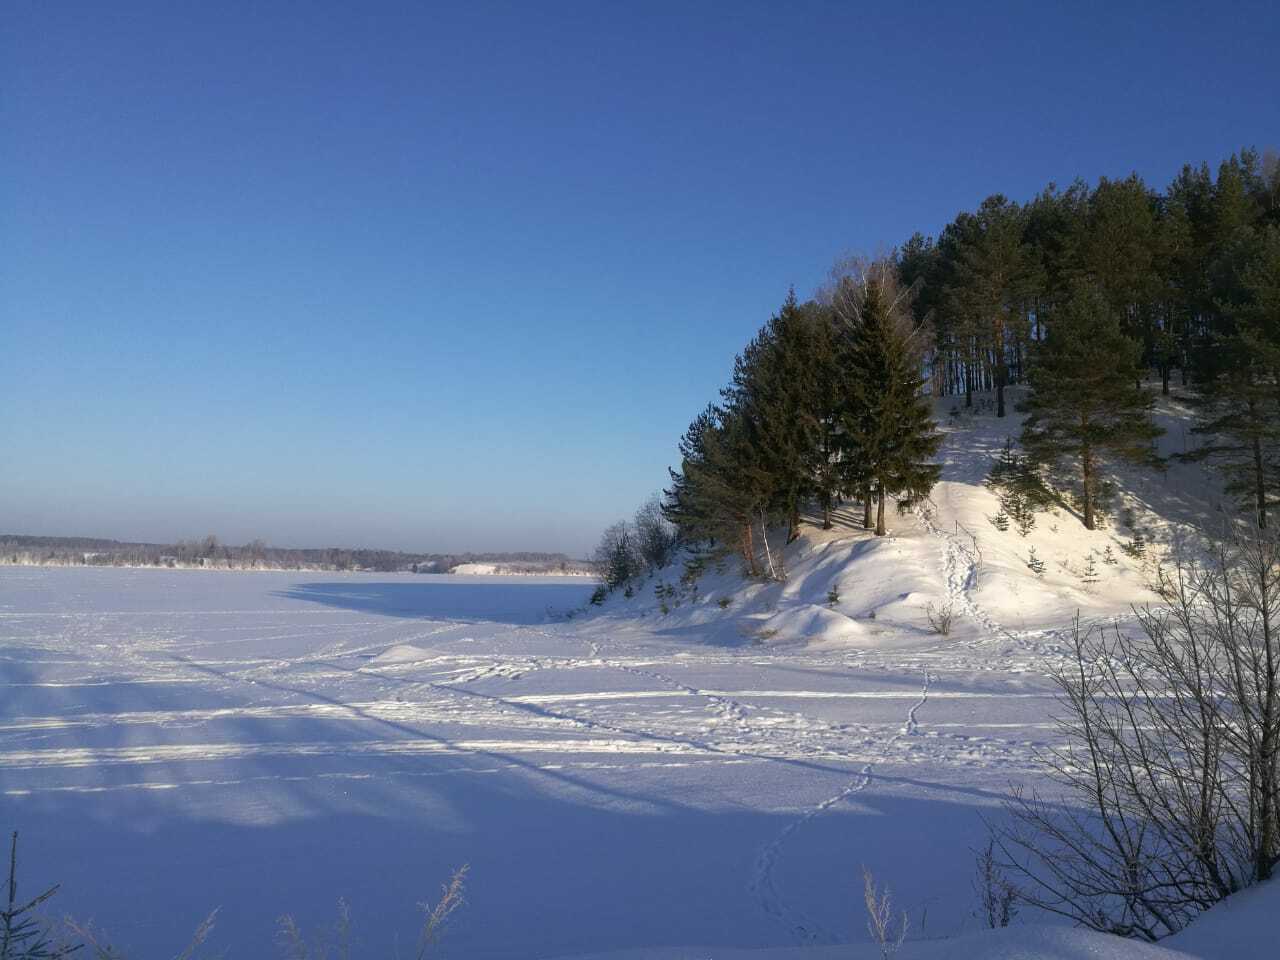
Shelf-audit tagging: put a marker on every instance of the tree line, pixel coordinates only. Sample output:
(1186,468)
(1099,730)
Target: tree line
(210,551)
(825,403)
(1078,296)
(1185,280)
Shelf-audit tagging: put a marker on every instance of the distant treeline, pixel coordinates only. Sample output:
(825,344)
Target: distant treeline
(257,555)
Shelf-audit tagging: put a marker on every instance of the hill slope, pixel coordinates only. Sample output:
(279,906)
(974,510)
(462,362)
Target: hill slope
(950,556)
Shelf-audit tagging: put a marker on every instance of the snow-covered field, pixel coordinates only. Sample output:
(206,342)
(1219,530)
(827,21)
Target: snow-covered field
(172,741)
(175,741)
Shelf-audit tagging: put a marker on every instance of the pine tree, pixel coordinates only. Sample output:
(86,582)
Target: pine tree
(1239,374)
(22,935)
(1053,236)
(1005,468)
(1084,402)
(888,430)
(1035,564)
(1021,510)
(987,293)
(1022,491)
(1117,255)
(1090,571)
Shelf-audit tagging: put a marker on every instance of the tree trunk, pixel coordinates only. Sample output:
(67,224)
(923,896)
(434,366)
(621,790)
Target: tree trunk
(793,525)
(880,528)
(866,508)
(1267,856)
(1086,463)
(764,535)
(1259,479)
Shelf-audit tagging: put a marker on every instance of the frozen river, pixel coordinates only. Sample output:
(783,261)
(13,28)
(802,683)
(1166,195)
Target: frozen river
(175,741)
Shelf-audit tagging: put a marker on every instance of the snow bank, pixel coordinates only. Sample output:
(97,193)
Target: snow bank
(402,653)
(475,569)
(1012,943)
(1241,926)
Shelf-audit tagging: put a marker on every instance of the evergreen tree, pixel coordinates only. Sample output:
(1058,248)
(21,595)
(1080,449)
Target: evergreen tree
(1052,235)
(716,496)
(1118,255)
(1239,374)
(1090,574)
(1084,403)
(888,430)
(828,375)
(987,294)
(770,397)
(1035,563)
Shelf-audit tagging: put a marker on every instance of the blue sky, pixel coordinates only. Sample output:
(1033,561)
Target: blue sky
(457,276)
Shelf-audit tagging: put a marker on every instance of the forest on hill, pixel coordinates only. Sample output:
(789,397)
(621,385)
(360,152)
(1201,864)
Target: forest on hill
(1080,295)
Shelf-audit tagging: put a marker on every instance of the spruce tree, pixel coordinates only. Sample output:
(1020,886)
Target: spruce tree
(828,375)
(717,495)
(766,403)
(888,429)
(1085,403)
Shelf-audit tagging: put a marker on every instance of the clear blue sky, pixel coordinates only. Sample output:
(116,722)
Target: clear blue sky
(450,277)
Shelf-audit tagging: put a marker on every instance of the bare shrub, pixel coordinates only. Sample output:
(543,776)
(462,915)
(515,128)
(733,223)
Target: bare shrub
(1172,746)
(887,934)
(617,556)
(655,535)
(332,942)
(997,897)
(438,914)
(23,936)
(940,617)
(100,949)
(335,942)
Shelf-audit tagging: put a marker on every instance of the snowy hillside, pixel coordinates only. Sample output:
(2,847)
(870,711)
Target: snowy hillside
(623,783)
(950,555)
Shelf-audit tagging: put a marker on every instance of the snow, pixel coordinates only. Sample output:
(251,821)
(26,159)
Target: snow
(1243,925)
(624,783)
(1014,943)
(475,569)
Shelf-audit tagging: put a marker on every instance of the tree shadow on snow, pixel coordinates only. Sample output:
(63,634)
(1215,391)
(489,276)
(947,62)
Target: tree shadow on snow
(511,601)
(552,872)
